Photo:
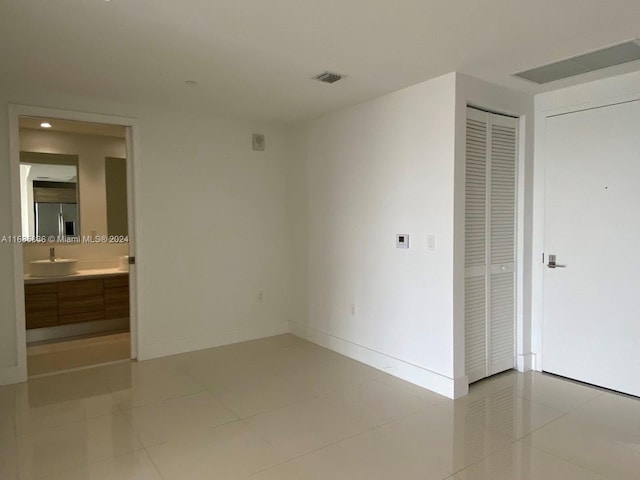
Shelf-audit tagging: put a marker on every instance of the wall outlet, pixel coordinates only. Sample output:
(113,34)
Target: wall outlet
(258,142)
(260,295)
(353,309)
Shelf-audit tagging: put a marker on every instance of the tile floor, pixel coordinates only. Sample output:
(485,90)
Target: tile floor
(44,358)
(281,408)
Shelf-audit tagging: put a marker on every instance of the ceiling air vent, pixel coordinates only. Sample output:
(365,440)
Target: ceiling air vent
(328,77)
(589,62)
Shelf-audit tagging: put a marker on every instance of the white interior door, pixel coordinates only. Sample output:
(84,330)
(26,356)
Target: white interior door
(591,326)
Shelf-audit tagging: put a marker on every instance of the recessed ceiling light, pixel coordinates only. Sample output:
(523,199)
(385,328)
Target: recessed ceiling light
(45,125)
(191,83)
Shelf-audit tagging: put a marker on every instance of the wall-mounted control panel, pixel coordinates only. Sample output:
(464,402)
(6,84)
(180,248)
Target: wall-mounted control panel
(402,240)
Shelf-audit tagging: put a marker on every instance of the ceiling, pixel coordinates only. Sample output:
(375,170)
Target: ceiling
(254,59)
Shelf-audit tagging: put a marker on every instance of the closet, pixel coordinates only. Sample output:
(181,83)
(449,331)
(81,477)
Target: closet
(490,243)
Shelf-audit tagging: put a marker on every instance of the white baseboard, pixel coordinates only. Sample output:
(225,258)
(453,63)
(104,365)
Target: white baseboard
(212,339)
(11,375)
(436,382)
(525,363)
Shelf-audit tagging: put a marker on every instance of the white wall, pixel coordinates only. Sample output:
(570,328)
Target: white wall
(589,95)
(477,93)
(370,172)
(212,228)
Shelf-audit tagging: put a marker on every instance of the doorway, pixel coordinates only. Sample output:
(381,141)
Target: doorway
(592,231)
(75,282)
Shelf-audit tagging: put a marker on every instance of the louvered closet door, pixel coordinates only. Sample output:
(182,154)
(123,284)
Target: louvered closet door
(490,243)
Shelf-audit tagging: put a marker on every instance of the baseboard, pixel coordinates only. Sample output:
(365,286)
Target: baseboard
(211,339)
(436,382)
(11,375)
(526,362)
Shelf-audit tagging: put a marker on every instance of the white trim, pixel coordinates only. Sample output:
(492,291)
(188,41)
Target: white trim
(434,381)
(524,363)
(18,373)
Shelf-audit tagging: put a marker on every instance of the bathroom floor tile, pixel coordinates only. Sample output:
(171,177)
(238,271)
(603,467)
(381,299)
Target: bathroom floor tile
(159,422)
(69,354)
(228,452)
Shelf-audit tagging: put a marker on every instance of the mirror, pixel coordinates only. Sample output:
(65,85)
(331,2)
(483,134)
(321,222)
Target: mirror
(49,196)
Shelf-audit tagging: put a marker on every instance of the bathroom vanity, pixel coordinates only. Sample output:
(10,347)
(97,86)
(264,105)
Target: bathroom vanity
(91,300)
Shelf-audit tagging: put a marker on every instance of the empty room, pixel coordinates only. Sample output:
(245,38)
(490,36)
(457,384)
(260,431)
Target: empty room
(302,240)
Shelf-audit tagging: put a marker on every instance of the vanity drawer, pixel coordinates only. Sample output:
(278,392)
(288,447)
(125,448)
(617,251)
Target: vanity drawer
(80,317)
(117,282)
(41,310)
(38,288)
(81,296)
(116,302)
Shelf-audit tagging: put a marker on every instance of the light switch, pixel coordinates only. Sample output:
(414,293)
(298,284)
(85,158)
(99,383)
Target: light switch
(402,240)
(431,242)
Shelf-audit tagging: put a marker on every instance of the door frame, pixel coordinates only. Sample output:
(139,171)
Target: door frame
(19,372)
(539,196)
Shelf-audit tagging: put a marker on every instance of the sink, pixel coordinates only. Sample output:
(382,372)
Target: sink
(60,267)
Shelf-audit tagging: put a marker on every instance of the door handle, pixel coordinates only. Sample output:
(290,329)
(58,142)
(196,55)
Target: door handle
(552,263)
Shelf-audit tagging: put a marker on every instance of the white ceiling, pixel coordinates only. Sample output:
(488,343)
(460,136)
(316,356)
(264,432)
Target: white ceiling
(254,58)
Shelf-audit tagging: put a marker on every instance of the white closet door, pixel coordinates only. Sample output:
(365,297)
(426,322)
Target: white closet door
(490,243)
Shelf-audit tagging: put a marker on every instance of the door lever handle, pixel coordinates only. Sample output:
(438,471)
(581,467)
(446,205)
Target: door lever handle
(552,263)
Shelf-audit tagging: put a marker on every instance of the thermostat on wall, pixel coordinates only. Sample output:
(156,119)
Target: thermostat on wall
(402,240)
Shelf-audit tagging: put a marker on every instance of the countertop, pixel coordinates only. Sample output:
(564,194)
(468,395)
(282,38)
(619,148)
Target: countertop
(81,274)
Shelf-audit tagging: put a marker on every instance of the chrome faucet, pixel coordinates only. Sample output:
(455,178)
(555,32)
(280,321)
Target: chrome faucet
(52,254)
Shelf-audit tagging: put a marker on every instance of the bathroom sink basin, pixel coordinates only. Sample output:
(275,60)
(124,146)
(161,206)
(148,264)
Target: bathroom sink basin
(58,268)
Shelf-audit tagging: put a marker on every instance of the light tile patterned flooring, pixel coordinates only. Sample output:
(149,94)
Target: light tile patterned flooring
(281,408)
(51,357)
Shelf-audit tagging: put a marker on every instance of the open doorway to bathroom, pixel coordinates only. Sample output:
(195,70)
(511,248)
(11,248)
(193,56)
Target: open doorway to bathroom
(76,242)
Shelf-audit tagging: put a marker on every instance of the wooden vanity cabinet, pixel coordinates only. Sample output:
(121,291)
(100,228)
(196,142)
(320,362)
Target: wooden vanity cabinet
(76,301)
(41,305)
(80,301)
(116,297)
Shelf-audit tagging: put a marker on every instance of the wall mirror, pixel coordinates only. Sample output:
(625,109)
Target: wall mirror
(49,195)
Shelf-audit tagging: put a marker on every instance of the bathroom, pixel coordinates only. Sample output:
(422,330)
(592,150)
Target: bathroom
(75,243)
